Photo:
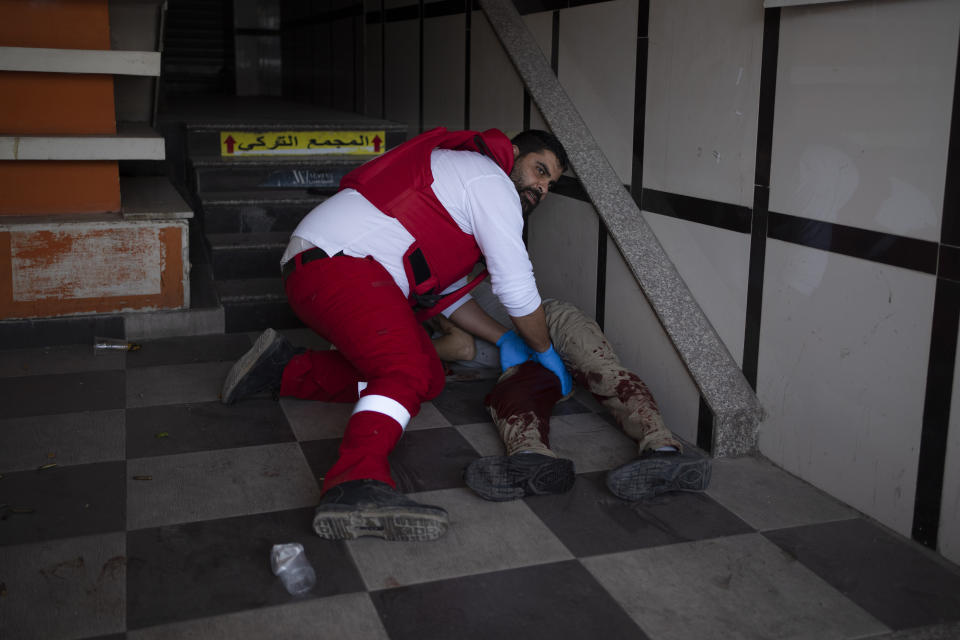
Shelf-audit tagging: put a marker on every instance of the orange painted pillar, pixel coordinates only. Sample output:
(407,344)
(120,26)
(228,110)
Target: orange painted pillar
(57,104)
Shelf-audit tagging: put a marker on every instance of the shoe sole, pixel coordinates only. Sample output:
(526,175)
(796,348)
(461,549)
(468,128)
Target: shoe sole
(502,478)
(648,478)
(402,524)
(243,366)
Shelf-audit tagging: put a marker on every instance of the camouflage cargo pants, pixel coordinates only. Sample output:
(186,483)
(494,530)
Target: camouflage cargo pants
(524,396)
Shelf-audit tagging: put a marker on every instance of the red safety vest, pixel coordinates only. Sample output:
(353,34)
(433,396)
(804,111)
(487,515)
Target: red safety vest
(399,183)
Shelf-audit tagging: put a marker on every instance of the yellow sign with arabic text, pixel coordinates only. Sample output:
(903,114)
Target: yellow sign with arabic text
(267,143)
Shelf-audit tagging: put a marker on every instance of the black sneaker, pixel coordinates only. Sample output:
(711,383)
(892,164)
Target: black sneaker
(373,508)
(259,368)
(502,478)
(656,472)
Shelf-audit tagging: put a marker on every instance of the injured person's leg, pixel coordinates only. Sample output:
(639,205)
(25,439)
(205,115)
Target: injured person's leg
(664,464)
(523,399)
(520,405)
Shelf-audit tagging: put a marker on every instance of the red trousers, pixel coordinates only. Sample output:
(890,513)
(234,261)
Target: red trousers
(356,305)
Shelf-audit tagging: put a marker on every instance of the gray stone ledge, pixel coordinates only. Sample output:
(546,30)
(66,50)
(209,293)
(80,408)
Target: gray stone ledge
(737,412)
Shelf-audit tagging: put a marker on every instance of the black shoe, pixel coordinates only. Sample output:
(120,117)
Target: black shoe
(259,368)
(656,472)
(501,478)
(373,508)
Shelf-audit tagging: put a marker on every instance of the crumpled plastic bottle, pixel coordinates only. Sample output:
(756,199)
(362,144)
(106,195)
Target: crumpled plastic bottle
(290,564)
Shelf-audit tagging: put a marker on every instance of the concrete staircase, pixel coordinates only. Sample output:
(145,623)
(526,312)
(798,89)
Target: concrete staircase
(247,204)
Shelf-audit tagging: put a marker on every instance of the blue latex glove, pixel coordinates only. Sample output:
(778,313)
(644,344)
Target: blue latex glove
(551,360)
(513,350)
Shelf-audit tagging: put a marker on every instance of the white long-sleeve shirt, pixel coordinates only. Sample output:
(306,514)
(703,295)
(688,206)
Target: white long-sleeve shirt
(480,198)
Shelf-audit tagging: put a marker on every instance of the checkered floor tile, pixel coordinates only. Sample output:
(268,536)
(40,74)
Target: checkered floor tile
(134,505)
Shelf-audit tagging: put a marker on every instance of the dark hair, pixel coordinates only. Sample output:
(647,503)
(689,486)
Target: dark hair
(534,140)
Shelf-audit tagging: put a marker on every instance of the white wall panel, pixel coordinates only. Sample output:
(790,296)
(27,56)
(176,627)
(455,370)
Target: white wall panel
(496,91)
(844,345)
(644,348)
(949,535)
(597,65)
(562,242)
(862,117)
(703,79)
(444,61)
(715,264)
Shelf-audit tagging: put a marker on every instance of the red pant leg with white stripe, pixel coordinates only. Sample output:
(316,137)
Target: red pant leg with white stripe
(355,304)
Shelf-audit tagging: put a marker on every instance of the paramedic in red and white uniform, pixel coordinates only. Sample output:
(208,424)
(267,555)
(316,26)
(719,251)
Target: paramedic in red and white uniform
(354,273)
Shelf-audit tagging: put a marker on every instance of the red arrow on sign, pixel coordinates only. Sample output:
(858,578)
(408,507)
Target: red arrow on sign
(229,141)
(376,144)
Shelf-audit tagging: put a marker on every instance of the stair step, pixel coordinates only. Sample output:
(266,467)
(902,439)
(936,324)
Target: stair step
(253,211)
(257,316)
(213,174)
(252,241)
(246,255)
(242,290)
(255,304)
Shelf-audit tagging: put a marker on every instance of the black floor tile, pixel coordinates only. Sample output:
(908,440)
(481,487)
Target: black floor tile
(45,332)
(320,455)
(462,402)
(220,566)
(430,459)
(164,430)
(63,393)
(189,350)
(63,502)
(590,520)
(423,460)
(891,578)
(553,602)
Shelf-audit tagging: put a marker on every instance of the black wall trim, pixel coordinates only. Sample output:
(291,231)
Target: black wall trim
(943,348)
(754,311)
(716,214)
(936,413)
(444,8)
(950,229)
(570,187)
(555,44)
(640,101)
(897,251)
(705,427)
(601,304)
(949,265)
(761,195)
